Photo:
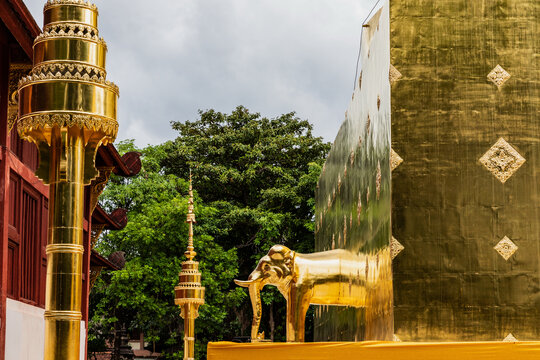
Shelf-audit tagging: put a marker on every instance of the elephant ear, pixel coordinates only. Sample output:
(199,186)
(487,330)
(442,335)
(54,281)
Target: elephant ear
(288,259)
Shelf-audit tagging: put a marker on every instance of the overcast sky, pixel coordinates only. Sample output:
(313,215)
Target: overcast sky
(173,57)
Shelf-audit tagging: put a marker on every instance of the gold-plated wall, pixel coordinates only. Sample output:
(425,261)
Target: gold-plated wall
(353,196)
(467,218)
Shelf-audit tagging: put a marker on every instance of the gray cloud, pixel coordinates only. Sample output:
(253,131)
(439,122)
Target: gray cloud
(171,58)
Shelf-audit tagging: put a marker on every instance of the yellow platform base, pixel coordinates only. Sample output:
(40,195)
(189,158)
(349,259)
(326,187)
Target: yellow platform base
(375,350)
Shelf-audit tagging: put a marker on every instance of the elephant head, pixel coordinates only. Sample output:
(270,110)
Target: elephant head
(275,268)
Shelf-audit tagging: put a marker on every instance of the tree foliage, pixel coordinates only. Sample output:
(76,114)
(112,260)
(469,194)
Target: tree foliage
(254,179)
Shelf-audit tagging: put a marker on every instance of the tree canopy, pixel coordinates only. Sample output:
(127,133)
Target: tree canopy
(254,181)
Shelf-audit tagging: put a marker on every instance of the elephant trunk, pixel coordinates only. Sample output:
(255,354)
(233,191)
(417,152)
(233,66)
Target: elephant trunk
(255,296)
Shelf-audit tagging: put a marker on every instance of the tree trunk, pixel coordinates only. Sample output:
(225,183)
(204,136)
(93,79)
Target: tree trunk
(116,343)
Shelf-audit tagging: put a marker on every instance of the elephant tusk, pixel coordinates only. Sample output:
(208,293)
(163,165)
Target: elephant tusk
(253,278)
(243,283)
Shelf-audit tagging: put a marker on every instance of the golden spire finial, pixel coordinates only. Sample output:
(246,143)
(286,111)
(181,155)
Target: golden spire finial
(190,253)
(189,292)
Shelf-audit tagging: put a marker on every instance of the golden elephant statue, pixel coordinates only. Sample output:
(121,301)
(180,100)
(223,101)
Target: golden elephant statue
(335,277)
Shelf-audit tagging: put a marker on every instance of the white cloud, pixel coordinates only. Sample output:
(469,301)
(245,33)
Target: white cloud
(171,58)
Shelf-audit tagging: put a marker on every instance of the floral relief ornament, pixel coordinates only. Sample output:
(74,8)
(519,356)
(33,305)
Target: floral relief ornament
(97,123)
(498,76)
(70,2)
(393,74)
(510,338)
(506,248)
(395,247)
(502,160)
(395,160)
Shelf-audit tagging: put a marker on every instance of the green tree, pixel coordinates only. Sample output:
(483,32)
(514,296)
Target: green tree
(260,174)
(254,179)
(262,170)
(141,296)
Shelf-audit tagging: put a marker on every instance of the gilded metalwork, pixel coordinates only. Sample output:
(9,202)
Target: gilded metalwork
(448,211)
(70,30)
(395,159)
(510,338)
(96,188)
(395,247)
(498,76)
(64,248)
(189,294)
(58,16)
(96,123)
(68,109)
(337,277)
(16,72)
(393,74)
(358,221)
(506,248)
(95,271)
(96,231)
(68,72)
(502,160)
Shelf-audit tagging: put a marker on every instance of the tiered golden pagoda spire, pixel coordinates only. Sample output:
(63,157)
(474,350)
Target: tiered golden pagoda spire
(190,253)
(189,292)
(68,109)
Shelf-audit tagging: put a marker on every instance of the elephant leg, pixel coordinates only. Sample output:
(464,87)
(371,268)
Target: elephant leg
(297,306)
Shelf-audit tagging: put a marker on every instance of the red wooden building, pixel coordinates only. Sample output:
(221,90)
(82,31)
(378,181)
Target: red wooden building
(24,203)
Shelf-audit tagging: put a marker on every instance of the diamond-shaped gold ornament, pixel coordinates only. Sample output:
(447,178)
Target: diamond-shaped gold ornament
(506,248)
(393,74)
(502,160)
(395,247)
(498,75)
(395,159)
(510,338)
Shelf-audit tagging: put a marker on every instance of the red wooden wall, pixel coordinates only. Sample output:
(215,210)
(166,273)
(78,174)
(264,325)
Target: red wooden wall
(27,238)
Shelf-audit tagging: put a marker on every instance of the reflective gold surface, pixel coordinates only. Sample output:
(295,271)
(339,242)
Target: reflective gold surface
(70,12)
(451,206)
(374,350)
(70,49)
(353,199)
(67,108)
(189,294)
(336,277)
(65,248)
(48,96)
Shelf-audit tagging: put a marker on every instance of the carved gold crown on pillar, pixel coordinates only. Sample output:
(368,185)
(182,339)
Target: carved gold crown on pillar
(68,109)
(189,292)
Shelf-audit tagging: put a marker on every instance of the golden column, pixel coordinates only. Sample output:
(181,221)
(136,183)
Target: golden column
(189,292)
(68,109)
